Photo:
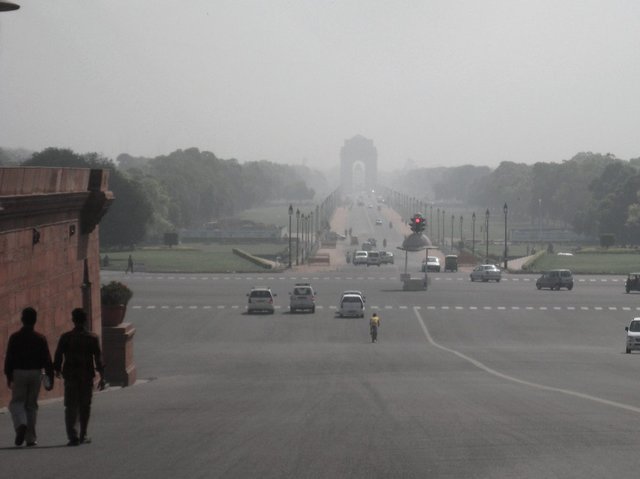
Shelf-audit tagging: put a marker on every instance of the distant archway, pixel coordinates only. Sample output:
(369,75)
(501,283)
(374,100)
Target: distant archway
(359,164)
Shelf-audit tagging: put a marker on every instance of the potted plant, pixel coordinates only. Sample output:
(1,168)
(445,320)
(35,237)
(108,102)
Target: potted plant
(114,297)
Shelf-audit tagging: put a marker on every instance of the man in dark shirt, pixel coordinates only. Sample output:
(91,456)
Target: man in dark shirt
(78,357)
(27,355)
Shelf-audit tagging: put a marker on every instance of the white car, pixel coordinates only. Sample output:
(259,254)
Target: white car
(633,335)
(261,299)
(432,263)
(378,221)
(360,257)
(486,272)
(351,305)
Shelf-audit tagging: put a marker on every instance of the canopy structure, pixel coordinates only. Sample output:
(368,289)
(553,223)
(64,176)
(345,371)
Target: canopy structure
(415,242)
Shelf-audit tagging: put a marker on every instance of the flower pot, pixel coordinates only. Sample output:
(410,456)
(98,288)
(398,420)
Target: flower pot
(113,315)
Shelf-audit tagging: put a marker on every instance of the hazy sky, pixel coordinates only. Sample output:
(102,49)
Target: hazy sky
(441,82)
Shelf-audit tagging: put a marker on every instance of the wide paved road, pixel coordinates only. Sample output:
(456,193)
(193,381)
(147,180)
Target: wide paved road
(467,380)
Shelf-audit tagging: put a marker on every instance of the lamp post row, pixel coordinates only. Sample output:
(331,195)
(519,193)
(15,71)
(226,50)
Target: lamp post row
(305,227)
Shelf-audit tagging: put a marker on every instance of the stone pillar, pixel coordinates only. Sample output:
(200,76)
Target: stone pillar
(117,350)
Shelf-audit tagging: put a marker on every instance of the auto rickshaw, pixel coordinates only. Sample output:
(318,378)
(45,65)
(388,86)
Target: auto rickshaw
(451,262)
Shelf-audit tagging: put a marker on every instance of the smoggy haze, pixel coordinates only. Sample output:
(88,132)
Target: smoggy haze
(440,82)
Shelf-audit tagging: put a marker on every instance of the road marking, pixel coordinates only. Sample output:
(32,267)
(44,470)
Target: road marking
(430,307)
(516,380)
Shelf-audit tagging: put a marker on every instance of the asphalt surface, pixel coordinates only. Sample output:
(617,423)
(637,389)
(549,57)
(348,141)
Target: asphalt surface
(480,380)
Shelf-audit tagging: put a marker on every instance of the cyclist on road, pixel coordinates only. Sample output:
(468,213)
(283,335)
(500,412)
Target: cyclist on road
(374,324)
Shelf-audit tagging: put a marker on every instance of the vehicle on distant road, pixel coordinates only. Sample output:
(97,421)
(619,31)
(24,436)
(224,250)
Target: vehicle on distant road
(632,283)
(633,335)
(366,246)
(486,272)
(432,263)
(373,258)
(360,257)
(451,262)
(261,299)
(302,298)
(378,221)
(386,257)
(555,279)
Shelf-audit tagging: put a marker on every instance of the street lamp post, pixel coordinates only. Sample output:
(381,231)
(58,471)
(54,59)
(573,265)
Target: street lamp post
(443,233)
(486,230)
(290,214)
(506,210)
(438,225)
(453,220)
(302,243)
(297,235)
(430,221)
(473,239)
(461,239)
(311,230)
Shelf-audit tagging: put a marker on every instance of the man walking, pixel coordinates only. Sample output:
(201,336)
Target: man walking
(78,357)
(374,324)
(27,355)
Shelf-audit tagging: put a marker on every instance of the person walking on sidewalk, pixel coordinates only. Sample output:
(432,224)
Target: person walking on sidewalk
(129,265)
(374,324)
(78,357)
(27,356)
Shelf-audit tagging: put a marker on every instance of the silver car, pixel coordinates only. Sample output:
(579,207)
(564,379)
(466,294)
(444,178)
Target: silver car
(261,299)
(303,297)
(486,272)
(633,335)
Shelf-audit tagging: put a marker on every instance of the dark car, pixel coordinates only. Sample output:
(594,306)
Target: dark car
(555,279)
(632,283)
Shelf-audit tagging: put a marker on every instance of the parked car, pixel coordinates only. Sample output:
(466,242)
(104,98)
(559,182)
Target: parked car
(555,279)
(386,257)
(633,335)
(378,221)
(302,298)
(486,272)
(432,263)
(360,257)
(373,258)
(633,282)
(261,299)
(351,305)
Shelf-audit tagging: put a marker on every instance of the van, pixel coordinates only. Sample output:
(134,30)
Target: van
(555,279)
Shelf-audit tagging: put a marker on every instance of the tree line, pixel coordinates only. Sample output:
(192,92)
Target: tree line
(184,189)
(592,193)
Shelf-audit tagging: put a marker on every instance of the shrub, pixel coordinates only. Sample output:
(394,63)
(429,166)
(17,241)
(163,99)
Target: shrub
(115,293)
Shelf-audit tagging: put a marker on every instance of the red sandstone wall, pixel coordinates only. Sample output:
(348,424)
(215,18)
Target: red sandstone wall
(49,274)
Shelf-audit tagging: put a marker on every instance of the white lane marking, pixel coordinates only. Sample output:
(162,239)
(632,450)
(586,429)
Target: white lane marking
(193,307)
(388,307)
(403,307)
(206,307)
(516,380)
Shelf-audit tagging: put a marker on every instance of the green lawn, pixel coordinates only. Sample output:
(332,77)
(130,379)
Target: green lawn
(591,262)
(194,258)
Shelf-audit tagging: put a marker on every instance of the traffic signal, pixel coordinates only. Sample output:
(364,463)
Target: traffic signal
(417,223)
